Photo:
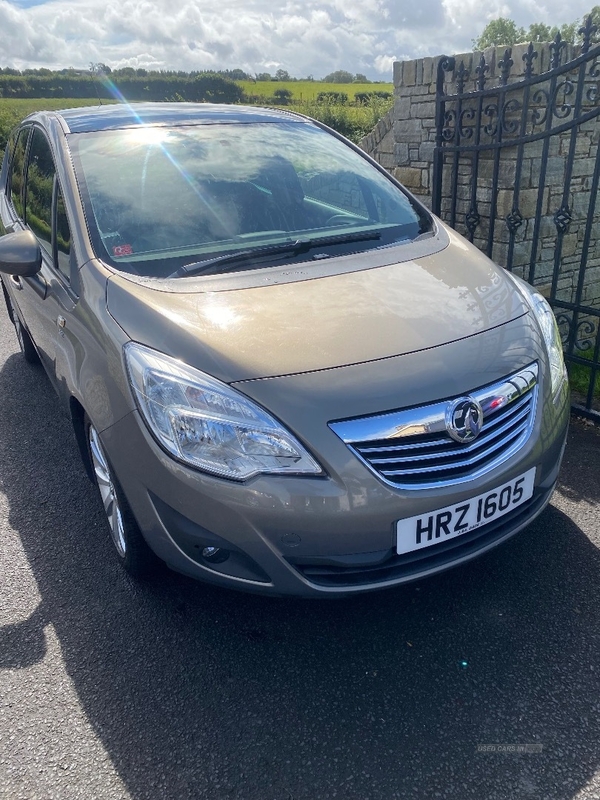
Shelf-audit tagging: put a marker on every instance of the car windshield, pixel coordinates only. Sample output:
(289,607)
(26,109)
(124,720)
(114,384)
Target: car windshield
(222,197)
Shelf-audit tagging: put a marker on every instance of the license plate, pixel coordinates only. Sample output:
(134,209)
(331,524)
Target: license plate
(451,521)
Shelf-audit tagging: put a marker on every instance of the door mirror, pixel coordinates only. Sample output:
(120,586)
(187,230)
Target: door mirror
(20,254)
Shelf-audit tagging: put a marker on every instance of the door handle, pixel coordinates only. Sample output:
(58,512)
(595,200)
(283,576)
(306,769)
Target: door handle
(16,282)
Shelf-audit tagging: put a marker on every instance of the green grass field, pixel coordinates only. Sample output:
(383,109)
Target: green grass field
(17,109)
(12,111)
(307,91)
(354,122)
(351,121)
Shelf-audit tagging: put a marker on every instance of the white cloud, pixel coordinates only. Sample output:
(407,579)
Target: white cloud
(384,63)
(302,36)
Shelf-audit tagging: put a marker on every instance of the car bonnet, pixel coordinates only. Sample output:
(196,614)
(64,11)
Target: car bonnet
(240,332)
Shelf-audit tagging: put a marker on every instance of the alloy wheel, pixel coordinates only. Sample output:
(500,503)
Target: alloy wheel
(108,492)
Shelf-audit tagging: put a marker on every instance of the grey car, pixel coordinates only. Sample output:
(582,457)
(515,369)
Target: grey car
(283,373)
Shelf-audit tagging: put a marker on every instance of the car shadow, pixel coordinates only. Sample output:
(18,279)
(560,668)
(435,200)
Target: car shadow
(23,644)
(198,692)
(581,464)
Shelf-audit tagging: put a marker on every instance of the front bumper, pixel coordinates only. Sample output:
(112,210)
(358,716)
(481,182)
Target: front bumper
(315,536)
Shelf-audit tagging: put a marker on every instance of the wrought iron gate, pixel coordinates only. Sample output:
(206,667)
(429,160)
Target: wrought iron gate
(517,168)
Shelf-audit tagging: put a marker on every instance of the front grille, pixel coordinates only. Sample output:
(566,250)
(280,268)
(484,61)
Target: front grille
(413,449)
(442,458)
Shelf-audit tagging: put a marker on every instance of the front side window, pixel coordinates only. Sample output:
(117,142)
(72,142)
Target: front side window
(158,198)
(39,187)
(340,190)
(63,237)
(16,171)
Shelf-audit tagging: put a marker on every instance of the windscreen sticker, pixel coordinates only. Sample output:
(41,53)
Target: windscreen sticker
(122,250)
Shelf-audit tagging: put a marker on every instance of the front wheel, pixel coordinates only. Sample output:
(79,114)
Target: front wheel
(131,547)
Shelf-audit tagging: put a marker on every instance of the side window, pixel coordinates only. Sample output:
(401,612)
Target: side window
(341,190)
(38,190)
(62,240)
(16,171)
(392,210)
(8,154)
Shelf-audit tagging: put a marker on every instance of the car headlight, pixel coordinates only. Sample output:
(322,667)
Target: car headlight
(207,424)
(547,322)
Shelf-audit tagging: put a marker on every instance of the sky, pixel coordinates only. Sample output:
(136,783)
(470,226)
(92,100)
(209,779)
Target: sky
(303,37)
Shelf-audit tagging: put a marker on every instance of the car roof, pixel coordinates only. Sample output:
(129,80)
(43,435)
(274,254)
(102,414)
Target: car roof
(128,115)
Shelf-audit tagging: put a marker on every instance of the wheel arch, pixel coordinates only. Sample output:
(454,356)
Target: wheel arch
(77,415)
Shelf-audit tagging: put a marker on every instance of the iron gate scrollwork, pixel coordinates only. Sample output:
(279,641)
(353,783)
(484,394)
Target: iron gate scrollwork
(516,170)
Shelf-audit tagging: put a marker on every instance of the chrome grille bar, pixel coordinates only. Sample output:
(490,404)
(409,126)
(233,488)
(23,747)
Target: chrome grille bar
(412,448)
(462,462)
(476,445)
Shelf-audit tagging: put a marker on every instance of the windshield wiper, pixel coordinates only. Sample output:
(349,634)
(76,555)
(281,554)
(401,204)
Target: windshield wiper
(286,248)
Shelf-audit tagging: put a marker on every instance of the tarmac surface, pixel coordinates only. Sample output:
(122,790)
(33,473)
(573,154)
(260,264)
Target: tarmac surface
(112,689)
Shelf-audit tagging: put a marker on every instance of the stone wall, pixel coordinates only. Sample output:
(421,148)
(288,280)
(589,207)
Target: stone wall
(404,145)
(412,139)
(380,142)
(414,135)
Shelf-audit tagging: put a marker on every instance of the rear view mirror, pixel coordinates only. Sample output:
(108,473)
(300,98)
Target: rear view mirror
(20,254)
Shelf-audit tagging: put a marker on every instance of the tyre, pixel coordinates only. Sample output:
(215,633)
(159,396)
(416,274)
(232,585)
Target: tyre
(130,546)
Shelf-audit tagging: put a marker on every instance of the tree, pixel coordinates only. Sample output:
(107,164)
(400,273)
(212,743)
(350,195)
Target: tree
(332,98)
(263,76)
(499,32)
(282,97)
(363,98)
(595,15)
(505,32)
(213,88)
(568,32)
(360,78)
(538,32)
(282,75)
(339,76)
(236,74)
(98,68)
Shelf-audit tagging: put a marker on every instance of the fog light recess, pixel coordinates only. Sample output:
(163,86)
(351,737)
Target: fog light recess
(215,555)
